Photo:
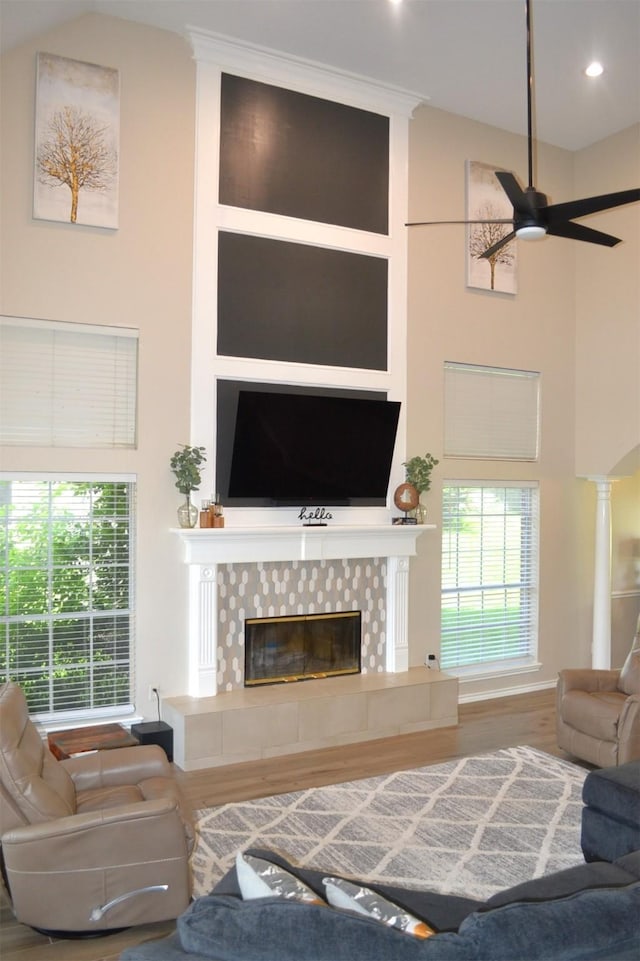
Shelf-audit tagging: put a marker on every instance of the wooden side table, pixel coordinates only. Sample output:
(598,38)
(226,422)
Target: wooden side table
(80,740)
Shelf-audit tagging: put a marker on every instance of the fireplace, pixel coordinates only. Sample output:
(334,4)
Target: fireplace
(240,572)
(301,647)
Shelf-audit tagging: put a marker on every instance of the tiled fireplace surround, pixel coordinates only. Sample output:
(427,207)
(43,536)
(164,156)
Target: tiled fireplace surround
(237,573)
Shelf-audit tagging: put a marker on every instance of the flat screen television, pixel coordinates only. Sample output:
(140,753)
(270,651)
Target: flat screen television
(305,449)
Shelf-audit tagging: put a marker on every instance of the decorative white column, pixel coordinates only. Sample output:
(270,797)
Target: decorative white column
(203,630)
(601,643)
(397,615)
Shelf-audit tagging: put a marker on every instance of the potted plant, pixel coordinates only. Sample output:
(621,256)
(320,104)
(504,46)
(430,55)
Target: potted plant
(418,474)
(185,464)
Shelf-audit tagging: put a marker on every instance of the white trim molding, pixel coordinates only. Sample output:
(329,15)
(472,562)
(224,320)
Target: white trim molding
(273,66)
(214,55)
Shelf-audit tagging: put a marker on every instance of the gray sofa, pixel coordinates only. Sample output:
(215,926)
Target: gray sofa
(584,913)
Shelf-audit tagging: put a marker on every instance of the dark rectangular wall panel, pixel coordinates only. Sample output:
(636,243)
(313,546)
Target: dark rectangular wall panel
(297,303)
(300,156)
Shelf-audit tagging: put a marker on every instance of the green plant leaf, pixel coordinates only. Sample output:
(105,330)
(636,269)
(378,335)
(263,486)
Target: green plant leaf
(418,471)
(185,464)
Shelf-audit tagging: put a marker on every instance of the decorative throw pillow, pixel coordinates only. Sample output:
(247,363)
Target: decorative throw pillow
(353,897)
(258,878)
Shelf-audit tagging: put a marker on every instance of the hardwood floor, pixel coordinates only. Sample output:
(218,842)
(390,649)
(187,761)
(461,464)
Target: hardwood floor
(483,726)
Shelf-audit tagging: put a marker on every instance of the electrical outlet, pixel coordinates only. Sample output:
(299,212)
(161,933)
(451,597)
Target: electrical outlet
(431,661)
(153,690)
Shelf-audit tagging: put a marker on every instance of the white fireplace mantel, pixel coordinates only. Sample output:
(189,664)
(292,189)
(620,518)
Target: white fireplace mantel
(204,549)
(234,545)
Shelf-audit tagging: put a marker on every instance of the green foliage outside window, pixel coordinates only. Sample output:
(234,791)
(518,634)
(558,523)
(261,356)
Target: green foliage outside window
(489,574)
(65,590)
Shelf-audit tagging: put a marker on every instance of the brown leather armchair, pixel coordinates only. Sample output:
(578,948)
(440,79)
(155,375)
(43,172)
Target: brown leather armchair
(598,711)
(96,842)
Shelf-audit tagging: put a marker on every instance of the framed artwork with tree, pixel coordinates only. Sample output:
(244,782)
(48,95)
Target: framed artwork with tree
(76,142)
(486,200)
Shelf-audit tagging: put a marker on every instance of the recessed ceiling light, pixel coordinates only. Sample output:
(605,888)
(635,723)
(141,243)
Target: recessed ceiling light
(594,69)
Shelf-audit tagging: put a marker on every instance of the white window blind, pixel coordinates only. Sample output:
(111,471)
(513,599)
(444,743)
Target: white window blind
(67,385)
(489,573)
(490,412)
(67,593)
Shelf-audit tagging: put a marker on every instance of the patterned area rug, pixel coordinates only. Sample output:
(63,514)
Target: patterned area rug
(468,827)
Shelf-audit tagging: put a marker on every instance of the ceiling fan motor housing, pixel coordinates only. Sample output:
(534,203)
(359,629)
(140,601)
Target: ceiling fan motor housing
(529,222)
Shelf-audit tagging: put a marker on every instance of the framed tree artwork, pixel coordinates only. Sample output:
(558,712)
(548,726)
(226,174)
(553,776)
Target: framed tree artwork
(486,200)
(76,142)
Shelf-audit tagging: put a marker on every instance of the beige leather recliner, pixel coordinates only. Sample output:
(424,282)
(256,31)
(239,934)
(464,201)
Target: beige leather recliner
(96,842)
(598,711)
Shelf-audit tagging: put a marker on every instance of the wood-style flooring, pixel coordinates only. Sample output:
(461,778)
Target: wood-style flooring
(483,726)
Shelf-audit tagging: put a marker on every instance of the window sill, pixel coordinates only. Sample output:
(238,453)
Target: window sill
(482,672)
(127,715)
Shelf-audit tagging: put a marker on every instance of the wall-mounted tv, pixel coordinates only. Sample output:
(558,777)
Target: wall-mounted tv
(311,449)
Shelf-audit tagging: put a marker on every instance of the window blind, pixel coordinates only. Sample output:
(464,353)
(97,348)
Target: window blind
(67,385)
(489,573)
(490,412)
(67,593)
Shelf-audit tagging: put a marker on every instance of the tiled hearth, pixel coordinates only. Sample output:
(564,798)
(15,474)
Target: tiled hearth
(238,573)
(255,723)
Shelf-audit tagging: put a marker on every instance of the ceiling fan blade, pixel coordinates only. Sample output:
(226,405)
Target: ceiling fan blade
(590,205)
(494,248)
(579,232)
(435,223)
(513,190)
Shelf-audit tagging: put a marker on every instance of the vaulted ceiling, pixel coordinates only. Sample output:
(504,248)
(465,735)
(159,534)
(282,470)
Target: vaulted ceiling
(464,56)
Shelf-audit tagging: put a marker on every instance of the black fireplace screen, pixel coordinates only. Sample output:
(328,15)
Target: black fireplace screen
(300,648)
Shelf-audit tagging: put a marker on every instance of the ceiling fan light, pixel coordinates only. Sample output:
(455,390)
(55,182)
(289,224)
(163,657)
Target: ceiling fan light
(534,232)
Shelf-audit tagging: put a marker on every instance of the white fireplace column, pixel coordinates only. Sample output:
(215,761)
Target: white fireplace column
(203,629)
(204,549)
(601,643)
(397,614)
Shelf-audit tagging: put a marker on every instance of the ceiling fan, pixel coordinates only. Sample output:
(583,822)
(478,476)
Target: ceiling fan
(532,216)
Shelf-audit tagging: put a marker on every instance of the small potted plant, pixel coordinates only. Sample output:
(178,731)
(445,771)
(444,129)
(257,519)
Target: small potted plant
(185,464)
(418,474)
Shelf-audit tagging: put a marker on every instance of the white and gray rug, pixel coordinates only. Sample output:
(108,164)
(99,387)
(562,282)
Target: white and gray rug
(468,827)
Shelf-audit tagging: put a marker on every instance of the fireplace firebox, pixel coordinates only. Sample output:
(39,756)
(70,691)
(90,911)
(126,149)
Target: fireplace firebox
(301,647)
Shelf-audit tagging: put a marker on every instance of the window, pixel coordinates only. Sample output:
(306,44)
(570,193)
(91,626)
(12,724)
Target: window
(489,574)
(491,412)
(67,385)
(66,582)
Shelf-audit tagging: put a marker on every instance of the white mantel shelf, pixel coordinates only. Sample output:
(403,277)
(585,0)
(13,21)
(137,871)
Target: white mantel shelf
(233,545)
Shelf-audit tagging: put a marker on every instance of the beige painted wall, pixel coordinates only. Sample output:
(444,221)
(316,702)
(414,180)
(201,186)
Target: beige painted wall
(137,276)
(607,372)
(533,330)
(140,275)
(608,315)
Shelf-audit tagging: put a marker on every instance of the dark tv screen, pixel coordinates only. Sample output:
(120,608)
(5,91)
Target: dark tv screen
(311,449)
